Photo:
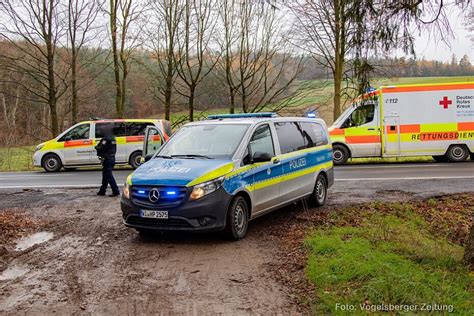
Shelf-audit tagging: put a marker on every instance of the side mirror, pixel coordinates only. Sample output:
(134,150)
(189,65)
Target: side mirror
(148,157)
(259,156)
(68,138)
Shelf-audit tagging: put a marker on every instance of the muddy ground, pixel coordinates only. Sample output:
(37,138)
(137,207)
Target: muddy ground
(86,261)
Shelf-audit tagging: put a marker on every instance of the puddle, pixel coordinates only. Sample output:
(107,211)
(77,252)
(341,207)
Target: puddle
(13,273)
(30,241)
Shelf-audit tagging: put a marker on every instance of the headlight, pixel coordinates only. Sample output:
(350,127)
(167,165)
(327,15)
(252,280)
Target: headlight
(205,188)
(126,190)
(39,147)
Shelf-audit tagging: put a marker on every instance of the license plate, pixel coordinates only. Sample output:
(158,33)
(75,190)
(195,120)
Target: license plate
(154,214)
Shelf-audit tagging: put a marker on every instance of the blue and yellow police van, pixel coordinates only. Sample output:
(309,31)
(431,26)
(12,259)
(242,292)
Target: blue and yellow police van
(220,173)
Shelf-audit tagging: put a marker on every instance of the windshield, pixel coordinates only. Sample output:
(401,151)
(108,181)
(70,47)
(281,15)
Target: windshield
(343,115)
(205,141)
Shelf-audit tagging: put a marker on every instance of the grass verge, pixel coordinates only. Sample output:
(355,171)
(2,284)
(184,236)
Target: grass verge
(371,256)
(16,158)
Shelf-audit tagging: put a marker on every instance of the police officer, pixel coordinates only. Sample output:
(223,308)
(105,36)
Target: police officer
(106,149)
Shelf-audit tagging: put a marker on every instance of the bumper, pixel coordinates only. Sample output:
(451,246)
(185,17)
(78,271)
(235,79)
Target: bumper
(37,156)
(204,215)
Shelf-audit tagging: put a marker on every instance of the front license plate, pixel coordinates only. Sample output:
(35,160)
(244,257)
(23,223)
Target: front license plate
(154,214)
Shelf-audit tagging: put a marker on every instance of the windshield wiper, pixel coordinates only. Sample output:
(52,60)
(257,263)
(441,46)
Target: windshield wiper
(192,156)
(163,156)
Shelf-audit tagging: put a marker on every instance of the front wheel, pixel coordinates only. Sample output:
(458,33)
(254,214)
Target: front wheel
(457,153)
(135,159)
(52,163)
(340,154)
(319,195)
(237,219)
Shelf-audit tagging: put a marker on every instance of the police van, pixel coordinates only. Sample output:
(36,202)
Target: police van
(220,173)
(408,120)
(75,147)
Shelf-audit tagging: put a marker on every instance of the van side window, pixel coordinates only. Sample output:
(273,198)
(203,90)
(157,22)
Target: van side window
(118,129)
(262,140)
(290,136)
(135,128)
(77,133)
(362,115)
(314,134)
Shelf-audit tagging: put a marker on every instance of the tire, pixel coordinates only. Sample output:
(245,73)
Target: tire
(457,153)
(472,157)
(320,192)
(134,159)
(52,163)
(340,154)
(237,219)
(442,158)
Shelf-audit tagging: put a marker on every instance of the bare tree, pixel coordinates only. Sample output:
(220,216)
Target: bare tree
(325,32)
(343,35)
(194,60)
(122,15)
(228,14)
(34,28)
(81,16)
(258,63)
(161,39)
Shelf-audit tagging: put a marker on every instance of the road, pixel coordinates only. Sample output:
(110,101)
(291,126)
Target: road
(375,173)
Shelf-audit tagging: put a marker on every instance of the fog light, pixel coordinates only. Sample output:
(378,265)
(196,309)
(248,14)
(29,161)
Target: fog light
(204,221)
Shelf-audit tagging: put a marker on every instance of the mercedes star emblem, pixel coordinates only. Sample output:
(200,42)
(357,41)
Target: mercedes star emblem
(154,195)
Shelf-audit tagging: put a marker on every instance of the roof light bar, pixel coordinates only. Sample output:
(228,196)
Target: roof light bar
(242,115)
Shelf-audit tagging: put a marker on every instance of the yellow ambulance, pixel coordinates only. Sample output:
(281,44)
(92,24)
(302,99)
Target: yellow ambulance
(408,120)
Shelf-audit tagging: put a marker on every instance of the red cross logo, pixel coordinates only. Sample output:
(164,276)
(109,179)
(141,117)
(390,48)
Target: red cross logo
(445,102)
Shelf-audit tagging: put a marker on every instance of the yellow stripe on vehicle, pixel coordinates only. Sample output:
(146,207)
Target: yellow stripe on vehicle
(219,172)
(289,176)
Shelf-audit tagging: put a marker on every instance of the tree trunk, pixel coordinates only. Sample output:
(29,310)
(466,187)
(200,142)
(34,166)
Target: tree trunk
(191,103)
(113,33)
(168,88)
(74,86)
(52,90)
(232,101)
(469,249)
(337,94)
(338,61)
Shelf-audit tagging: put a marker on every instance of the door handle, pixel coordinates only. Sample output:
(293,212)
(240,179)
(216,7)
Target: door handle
(371,129)
(87,142)
(276,160)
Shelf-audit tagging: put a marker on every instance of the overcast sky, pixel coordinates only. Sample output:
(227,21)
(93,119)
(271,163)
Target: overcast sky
(432,48)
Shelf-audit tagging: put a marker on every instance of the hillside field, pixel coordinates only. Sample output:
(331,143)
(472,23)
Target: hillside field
(313,93)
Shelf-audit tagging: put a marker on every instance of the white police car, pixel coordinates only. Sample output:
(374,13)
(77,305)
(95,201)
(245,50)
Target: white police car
(220,173)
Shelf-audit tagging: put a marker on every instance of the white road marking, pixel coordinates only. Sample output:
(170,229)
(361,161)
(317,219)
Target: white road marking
(58,186)
(356,167)
(405,178)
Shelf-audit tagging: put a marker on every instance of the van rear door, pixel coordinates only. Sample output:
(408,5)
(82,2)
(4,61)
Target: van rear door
(154,139)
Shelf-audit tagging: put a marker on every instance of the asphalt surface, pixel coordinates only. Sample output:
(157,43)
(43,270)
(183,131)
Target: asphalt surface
(376,174)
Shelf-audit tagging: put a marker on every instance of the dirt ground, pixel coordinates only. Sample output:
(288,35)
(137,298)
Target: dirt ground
(85,261)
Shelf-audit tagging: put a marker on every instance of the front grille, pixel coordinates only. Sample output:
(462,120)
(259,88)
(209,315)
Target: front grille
(158,223)
(169,196)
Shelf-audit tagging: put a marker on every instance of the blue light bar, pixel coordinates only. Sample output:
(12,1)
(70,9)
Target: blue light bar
(171,192)
(242,115)
(141,191)
(311,115)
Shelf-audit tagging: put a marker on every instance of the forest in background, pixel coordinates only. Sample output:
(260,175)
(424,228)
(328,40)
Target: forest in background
(65,61)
